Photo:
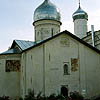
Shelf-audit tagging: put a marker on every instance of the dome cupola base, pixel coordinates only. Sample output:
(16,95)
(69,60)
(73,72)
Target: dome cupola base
(45,29)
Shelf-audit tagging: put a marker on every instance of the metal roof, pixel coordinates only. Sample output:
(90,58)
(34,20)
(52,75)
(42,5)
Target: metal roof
(80,14)
(24,44)
(11,51)
(47,10)
(27,45)
(67,33)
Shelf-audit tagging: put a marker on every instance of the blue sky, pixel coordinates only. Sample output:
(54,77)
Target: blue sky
(16,17)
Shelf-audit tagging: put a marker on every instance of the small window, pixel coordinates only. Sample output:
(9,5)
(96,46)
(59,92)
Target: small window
(52,31)
(66,72)
(31,57)
(49,57)
(31,80)
(38,33)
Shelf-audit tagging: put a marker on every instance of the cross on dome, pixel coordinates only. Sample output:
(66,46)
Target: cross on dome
(46,0)
(79,2)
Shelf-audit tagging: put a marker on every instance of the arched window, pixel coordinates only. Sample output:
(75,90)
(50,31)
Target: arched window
(66,69)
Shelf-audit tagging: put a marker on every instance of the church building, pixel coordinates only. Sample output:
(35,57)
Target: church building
(54,59)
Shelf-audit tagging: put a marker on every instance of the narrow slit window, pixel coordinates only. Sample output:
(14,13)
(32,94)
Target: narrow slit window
(52,31)
(66,69)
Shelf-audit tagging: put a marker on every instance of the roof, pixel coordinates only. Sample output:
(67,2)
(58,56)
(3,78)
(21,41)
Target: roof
(47,10)
(23,44)
(89,34)
(11,51)
(27,45)
(67,33)
(80,14)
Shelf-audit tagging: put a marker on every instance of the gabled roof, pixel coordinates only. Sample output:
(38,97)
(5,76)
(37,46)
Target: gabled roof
(11,51)
(27,45)
(67,33)
(22,44)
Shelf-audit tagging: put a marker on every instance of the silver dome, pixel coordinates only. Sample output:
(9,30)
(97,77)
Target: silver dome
(80,14)
(47,10)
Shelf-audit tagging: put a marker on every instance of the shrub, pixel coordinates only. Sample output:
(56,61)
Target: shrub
(4,98)
(73,96)
(30,95)
(76,96)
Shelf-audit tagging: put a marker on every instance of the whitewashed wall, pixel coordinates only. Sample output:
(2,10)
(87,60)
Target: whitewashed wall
(32,75)
(92,68)
(44,67)
(60,54)
(45,29)
(80,27)
(9,81)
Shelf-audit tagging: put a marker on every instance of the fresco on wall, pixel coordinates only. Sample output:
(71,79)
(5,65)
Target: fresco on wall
(74,64)
(65,42)
(13,65)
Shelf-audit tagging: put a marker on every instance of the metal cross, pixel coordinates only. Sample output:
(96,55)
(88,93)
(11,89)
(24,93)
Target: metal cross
(46,0)
(79,2)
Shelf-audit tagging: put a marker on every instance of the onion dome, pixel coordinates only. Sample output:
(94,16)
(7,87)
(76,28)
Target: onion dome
(80,14)
(47,10)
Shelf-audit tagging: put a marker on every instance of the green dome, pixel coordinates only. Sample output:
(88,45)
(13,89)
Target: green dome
(80,14)
(47,10)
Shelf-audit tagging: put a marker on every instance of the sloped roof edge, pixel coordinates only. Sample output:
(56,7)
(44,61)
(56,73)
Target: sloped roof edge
(13,44)
(22,44)
(10,52)
(68,33)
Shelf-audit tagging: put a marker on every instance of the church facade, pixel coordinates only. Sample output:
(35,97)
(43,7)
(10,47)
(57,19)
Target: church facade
(53,60)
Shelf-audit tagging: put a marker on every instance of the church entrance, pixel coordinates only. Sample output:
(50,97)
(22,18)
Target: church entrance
(64,91)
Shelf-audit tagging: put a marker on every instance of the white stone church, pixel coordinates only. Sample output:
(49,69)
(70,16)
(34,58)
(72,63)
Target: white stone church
(54,59)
